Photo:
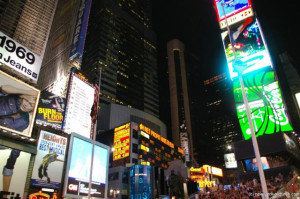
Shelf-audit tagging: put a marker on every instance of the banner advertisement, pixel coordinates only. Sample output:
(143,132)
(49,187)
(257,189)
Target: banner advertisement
(184,141)
(19,58)
(49,161)
(79,165)
(13,176)
(250,50)
(18,104)
(50,110)
(265,102)
(80,101)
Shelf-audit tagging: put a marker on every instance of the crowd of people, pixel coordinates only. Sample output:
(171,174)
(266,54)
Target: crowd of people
(278,187)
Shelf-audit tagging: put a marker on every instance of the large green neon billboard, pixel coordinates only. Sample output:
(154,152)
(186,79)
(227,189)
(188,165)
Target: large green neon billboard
(265,103)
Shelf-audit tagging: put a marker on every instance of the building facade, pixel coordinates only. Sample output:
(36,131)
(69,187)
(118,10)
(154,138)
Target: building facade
(121,44)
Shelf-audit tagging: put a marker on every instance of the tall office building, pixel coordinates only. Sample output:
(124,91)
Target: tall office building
(219,127)
(179,98)
(121,43)
(66,39)
(28,22)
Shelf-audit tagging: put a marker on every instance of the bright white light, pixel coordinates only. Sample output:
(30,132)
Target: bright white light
(229,147)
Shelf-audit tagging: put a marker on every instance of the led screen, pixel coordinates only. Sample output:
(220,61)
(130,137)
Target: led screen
(230,161)
(251,164)
(121,142)
(231,7)
(80,100)
(250,51)
(79,165)
(49,161)
(50,110)
(18,104)
(265,103)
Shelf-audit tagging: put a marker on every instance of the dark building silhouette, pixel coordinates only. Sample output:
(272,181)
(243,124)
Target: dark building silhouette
(219,126)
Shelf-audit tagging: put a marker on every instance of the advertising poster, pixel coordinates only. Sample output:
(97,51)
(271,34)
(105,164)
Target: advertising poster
(18,104)
(15,166)
(79,165)
(250,51)
(80,100)
(19,58)
(50,110)
(265,102)
(49,161)
(140,181)
(184,141)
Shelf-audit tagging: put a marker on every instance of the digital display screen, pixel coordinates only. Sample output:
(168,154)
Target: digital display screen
(265,103)
(80,101)
(227,8)
(250,51)
(79,165)
(121,142)
(230,161)
(251,164)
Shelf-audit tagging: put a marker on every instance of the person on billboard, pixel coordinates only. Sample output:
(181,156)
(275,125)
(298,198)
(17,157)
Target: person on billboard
(15,107)
(8,168)
(47,159)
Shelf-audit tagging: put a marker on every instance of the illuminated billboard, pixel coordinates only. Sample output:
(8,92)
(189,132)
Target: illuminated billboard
(18,104)
(80,100)
(250,51)
(79,165)
(230,161)
(156,150)
(49,161)
(80,30)
(50,110)
(19,58)
(140,181)
(265,103)
(233,10)
(14,165)
(121,142)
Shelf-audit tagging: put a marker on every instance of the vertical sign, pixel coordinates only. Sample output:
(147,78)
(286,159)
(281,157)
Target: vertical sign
(80,100)
(80,29)
(121,142)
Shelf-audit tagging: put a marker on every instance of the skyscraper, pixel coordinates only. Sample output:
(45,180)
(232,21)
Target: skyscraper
(179,98)
(121,43)
(28,22)
(70,21)
(219,125)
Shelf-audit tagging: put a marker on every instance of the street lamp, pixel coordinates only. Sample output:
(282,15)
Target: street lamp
(240,67)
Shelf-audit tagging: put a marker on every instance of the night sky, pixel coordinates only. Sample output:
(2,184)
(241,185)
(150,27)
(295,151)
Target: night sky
(194,22)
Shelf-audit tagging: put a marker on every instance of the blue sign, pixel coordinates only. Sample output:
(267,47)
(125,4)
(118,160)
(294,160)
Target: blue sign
(80,29)
(140,182)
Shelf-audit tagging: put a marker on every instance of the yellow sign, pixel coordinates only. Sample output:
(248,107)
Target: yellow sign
(156,135)
(121,142)
(206,183)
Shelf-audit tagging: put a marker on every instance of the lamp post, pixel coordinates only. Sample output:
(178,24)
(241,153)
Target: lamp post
(240,68)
